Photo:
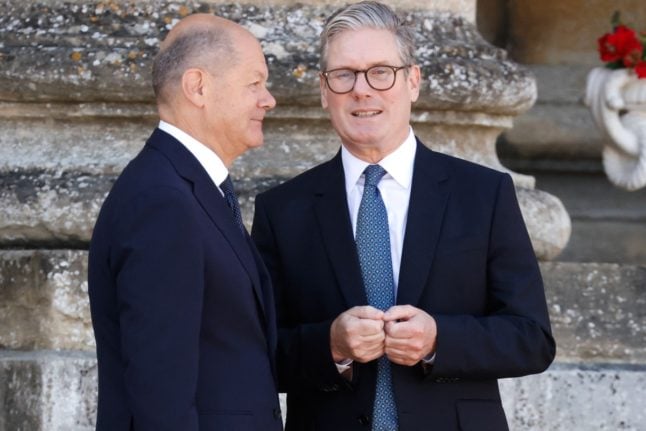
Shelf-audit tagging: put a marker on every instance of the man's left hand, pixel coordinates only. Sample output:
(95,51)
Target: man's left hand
(411,334)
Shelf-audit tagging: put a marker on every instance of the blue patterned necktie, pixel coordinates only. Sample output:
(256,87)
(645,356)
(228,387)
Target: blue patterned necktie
(232,201)
(373,247)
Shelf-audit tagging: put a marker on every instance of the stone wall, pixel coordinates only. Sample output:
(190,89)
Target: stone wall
(76,105)
(48,368)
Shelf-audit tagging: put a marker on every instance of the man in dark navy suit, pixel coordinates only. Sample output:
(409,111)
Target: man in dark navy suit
(405,280)
(182,307)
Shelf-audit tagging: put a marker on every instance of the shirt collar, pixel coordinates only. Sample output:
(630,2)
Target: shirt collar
(210,161)
(398,164)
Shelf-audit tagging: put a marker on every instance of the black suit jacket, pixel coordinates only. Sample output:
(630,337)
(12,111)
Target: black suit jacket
(182,307)
(467,260)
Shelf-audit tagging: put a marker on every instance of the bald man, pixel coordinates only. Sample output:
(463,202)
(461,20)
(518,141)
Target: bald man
(182,309)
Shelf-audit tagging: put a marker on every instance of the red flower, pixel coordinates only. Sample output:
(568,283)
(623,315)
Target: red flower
(640,69)
(621,45)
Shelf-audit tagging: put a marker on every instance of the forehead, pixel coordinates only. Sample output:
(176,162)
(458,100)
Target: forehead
(363,47)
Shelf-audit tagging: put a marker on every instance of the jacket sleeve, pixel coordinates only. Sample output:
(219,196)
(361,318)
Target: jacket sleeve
(158,262)
(513,336)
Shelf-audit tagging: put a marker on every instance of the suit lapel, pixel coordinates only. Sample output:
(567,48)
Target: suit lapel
(211,200)
(331,210)
(428,200)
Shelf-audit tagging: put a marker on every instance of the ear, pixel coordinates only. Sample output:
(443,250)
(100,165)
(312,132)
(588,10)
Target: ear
(193,86)
(324,91)
(414,82)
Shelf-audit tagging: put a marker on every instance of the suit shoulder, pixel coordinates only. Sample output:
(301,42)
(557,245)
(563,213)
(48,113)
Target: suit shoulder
(149,176)
(468,171)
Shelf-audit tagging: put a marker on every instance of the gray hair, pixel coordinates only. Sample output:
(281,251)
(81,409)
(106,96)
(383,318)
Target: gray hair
(369,14)
(203,48)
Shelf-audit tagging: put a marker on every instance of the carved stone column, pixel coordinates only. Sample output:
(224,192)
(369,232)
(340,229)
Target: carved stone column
(76,105)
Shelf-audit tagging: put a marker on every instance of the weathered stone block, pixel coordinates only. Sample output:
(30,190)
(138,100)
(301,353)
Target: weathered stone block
(54,176)
(560,132)
(50,209)
(617,241)
(577,398)
(598,314)
(598,311)
(559,126)
(56,391)
(83,51)
(43,300)
(47,391)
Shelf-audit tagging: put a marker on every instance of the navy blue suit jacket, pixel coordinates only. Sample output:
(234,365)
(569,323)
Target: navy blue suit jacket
(467,260)
(182,307)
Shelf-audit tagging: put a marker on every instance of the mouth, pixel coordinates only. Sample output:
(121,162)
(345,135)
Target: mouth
(366,113)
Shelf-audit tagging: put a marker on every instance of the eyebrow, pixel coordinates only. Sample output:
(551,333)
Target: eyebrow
(260,75)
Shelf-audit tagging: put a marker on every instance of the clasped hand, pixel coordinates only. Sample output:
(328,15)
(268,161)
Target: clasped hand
(405,334)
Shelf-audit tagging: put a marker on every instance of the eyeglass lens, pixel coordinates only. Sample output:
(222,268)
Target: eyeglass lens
(378,77)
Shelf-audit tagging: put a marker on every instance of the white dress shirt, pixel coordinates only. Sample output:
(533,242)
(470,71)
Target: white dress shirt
(394,187)
(212,164)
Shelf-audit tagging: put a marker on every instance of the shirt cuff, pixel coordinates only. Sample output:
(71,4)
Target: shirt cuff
(344,365)
(429,359)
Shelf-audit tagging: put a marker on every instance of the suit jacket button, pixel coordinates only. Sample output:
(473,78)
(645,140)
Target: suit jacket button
(277,414)
(364,420)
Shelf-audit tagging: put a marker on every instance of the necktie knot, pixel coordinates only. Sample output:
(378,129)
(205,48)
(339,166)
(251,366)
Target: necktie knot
(373,174)
(227,186)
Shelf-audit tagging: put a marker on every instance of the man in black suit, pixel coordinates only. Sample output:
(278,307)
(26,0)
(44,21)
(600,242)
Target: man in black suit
(405,280)
(182,307)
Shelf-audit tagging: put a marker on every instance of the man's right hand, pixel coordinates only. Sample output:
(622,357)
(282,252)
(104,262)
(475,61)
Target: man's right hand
(358,334)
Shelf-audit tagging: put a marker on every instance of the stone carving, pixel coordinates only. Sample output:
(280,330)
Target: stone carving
(617,100)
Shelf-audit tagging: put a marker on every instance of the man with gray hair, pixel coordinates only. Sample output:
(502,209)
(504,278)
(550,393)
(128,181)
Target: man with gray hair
(182,306)
(405,279)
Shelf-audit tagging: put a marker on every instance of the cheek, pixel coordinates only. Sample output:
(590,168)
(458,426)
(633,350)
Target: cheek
(335,106)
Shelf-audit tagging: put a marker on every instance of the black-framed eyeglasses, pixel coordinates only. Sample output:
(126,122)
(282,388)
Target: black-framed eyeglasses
(380,78)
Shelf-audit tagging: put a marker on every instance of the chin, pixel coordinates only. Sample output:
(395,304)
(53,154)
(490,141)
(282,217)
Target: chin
(256,143)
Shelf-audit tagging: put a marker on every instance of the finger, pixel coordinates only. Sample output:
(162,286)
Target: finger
(396,357)
(405,329)
(410,347)
(371,354)
(403,354)
(396,343)
(403,361)
(366,312)
(393,329)
(374,338)
(349,324)
(359,342)
(369,326)
(400,312)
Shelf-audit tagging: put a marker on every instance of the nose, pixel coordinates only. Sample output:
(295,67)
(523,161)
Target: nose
(361,86)
(267,102)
